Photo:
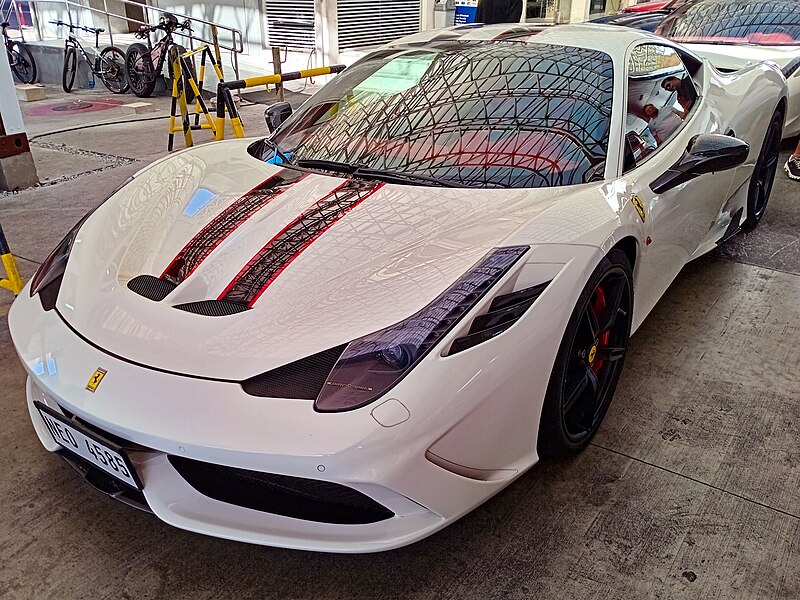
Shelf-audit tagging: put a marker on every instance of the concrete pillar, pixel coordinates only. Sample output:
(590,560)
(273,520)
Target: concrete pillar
(326,25)
(17,169)
(426,16)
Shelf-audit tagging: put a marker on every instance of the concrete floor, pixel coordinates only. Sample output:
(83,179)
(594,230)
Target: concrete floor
(690,489)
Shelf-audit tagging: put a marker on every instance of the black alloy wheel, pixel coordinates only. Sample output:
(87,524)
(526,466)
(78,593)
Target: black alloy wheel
(70,67)
(589,360)
(22,62)
(764,173)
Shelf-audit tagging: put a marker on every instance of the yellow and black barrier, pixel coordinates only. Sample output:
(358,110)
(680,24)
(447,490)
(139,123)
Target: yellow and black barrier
(182,75)
(225,101)
(12,280)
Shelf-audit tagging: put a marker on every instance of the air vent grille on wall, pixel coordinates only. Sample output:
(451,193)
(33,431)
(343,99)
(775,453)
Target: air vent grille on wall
(503,313)
(365,23)
(290,23)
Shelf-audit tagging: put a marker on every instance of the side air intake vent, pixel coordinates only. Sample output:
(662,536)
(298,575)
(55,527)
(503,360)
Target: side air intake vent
(49,293)
(151,287)
(295,497)
(213,308)
(303,379)
(503,313)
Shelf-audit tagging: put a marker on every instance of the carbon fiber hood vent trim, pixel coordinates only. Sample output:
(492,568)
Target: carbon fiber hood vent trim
(213,308)
(151,287)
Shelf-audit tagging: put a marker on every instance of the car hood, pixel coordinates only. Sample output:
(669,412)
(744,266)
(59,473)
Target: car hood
(732,57)
(386,258)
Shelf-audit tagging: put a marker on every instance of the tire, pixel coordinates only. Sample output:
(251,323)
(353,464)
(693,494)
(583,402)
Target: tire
(70,67)
(589,361)
(139,70)
(23,65)
(764,173)
(112,70)
(190,95)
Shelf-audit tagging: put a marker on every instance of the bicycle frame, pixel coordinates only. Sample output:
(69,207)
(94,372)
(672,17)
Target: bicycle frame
(158,51)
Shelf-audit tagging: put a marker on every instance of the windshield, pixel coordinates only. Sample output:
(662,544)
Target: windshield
(761,22)
(502,114)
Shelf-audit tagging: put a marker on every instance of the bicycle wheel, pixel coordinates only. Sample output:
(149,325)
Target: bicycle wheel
(22,62)
(139,70)
(112,70)
(184,79)
(70,67)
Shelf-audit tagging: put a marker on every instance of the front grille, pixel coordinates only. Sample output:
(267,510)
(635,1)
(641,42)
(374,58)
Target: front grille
(151,287)
(302,379)
(295,497)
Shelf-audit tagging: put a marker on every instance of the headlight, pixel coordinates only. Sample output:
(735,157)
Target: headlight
(373,364)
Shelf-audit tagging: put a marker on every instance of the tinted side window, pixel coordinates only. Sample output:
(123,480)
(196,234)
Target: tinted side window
(661,95)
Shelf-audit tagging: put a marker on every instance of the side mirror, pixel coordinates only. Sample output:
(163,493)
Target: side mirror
(705,153)
(276,114)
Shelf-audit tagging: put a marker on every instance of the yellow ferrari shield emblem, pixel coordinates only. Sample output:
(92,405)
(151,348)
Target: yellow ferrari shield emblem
(95,379)
(639,206)
(592,354)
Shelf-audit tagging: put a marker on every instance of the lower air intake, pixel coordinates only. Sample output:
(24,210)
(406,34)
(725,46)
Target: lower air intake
(295,497)
(151,287)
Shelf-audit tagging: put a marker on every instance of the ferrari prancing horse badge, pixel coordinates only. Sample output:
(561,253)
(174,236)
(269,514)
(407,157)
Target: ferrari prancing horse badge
(638,205)
(95,380)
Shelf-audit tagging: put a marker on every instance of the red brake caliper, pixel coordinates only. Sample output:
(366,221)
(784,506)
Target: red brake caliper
(599,305)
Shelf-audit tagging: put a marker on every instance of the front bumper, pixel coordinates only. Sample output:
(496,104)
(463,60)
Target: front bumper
(475,414)
(160,415)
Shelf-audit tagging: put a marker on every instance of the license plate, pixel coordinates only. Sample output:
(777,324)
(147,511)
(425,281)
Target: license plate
(90,447)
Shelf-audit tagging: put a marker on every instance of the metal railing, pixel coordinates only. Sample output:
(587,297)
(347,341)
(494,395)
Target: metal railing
(151,14)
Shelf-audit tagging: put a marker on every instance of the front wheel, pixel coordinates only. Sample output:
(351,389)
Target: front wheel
(139,70)
(764,173)
(70,67)
(22,62)
(589,360)
(112,70)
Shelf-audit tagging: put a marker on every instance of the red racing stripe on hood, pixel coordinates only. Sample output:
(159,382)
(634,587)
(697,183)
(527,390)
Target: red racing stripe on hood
(225,223)
(289,243)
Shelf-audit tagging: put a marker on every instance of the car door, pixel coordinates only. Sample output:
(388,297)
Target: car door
(678,220)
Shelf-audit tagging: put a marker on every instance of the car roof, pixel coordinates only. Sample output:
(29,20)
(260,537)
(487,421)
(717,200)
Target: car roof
(610,39)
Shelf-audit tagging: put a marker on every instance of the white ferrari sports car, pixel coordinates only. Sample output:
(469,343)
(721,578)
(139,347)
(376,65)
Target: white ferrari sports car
(348,335)
(735,34)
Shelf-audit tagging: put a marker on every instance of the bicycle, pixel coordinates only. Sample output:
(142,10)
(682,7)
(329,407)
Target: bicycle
(19,57)
(108,65)
(144,63)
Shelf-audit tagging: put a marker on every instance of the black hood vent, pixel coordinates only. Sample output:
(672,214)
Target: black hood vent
(151,287)
(213,308)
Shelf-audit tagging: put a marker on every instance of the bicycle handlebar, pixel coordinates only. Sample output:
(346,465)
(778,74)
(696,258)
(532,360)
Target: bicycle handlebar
(95,30)
(144,30)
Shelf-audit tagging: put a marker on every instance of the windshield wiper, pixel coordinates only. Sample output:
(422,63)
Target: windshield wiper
(327,165)
(386,175)
(276,151)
